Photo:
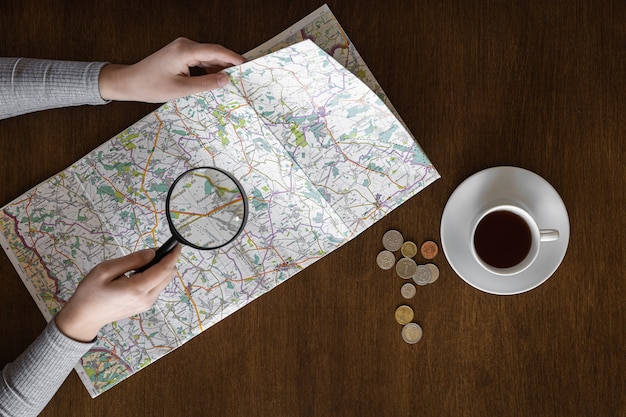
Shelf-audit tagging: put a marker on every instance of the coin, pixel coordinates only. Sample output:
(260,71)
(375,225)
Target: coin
(429,249)
(408,290)
(412,333)
(408,249)
(385,259)
(392,240)
(435,272)
(422,275)
(406,267)
(404,314)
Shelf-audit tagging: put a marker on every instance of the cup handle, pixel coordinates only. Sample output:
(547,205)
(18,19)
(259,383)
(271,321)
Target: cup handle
(548,235)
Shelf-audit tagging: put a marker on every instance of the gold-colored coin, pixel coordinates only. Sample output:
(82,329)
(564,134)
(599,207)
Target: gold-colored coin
(408,249)
(404,314)
(429,249)
(412,333)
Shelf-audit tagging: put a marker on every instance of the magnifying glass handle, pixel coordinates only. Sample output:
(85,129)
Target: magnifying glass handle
(160,254)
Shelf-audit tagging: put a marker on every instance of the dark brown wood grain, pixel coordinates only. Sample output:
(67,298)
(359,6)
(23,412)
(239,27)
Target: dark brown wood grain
(535,84)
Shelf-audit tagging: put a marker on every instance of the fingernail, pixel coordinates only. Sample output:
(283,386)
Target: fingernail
(222,79)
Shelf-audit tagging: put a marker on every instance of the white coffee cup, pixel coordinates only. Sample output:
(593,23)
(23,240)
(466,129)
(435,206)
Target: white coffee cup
(506,239)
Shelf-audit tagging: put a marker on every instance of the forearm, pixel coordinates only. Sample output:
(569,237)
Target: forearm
(28,383)
(28,85)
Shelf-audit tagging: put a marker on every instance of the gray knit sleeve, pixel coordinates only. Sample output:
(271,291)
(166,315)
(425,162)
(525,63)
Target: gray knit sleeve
(29,382)
(28,85)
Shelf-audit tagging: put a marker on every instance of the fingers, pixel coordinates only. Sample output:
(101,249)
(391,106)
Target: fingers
(113,268)
(159,275)
(158,289)
(191,85)
(211,57)
(206,55)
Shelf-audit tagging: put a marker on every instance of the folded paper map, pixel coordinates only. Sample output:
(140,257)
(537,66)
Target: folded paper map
(320,156)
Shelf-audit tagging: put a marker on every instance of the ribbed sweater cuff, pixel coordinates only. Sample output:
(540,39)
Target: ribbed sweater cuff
(28,85)
(33,378)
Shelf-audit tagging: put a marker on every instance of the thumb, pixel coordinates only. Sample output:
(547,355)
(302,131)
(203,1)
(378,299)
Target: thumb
(206,82)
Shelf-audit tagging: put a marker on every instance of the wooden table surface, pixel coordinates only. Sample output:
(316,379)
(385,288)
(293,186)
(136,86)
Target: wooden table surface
(535,84)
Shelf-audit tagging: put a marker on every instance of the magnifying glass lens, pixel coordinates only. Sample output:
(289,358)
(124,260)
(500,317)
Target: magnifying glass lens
(206,208)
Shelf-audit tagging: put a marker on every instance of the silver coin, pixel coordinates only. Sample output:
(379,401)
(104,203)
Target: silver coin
(385,259)
(412,333)
(408,290)
(422,275)
(392,240)
(406,267)
(434,271)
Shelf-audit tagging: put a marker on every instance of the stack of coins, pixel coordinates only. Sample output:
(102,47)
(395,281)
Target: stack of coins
(411,332)
(408,269)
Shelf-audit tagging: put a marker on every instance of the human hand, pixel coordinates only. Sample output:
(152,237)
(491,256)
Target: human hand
(165,75)
(106,294)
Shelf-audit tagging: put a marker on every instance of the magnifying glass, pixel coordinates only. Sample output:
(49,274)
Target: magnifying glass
(206,208)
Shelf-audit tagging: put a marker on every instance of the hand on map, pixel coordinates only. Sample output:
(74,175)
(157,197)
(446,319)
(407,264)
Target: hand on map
(106,294)
(165,74)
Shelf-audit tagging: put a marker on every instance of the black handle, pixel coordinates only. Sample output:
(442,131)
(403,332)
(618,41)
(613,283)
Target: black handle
(160,254)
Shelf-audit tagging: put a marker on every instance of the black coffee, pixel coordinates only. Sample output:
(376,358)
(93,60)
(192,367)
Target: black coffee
(502,239)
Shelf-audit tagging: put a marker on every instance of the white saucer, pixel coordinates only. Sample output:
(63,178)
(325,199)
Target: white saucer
(503,184)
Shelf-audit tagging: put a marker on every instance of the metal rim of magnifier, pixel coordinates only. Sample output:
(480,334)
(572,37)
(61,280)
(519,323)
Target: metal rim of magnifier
(178,236)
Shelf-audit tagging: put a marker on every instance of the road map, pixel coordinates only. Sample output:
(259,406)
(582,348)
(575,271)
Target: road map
(322,27)
(319,155)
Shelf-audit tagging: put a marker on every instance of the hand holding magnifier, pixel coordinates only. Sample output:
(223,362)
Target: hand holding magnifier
(206,208)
